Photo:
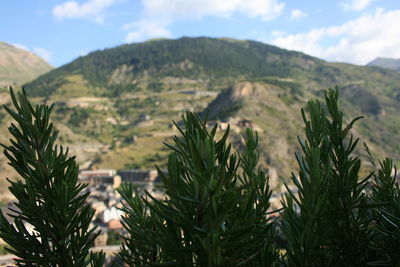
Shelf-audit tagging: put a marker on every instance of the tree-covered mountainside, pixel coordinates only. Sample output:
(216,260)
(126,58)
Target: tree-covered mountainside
(389,63)
(110,71)
(18,66)
(116,105)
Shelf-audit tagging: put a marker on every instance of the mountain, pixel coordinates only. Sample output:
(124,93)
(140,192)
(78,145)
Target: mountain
(389,63)
(111,72)
(115,106)
(18,66)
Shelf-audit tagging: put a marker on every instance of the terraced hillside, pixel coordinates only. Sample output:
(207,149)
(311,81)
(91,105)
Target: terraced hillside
(115,106)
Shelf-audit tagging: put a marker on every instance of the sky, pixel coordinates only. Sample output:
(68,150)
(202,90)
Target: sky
(352,31)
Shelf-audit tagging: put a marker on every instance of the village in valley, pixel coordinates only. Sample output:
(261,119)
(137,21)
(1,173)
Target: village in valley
(102,184)
(199,133)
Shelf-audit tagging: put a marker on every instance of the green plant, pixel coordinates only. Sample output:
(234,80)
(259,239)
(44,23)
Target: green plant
(329,221)
(387,193)
(350,213)
(78,117)
(155,87)
(304,217)
(215,212)
(48,196)
(217,206)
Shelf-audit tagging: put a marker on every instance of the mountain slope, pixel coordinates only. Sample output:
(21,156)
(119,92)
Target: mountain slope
(108,72)
(389,63)
(123,99)
(18,66)
(275,113)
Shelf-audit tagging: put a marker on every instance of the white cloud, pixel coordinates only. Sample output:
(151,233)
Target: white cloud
(92,9)
(264,9)
(43,53)
(21,46)
(83,52)
(158,15)
(357,41)
(146,29)
(356,5)
(298,14)
(277,33)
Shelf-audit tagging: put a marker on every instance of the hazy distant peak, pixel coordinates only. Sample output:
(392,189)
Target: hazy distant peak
(18,66)
(384,62)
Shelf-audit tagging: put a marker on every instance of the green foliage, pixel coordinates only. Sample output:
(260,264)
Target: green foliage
(187,57)
(217,206)
(215,212)
(329,222)
(387,192)
(155,87)
(304,217)
(395,93)
(366,101)
(217,64)
(125,107)
(227,111)
(350,236)
(294,89)
(120,89)
(78,116)
(97,259)
(48,197)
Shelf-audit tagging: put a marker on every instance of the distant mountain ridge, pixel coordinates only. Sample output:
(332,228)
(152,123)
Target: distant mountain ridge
(115,106)
(18,66)
(389,63)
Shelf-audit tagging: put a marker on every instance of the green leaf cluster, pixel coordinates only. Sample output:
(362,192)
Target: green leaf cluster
(49,199)
(215,212)
(387,192)
(332,220)
(217,207)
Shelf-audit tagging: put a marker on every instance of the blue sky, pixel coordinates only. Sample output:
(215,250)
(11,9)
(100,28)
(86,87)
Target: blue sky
(354,31)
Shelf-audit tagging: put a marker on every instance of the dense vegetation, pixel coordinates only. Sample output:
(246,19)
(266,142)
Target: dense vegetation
(192,58)
(48,198)
(217,210)
(151,78)
(113,71)
(333,227)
